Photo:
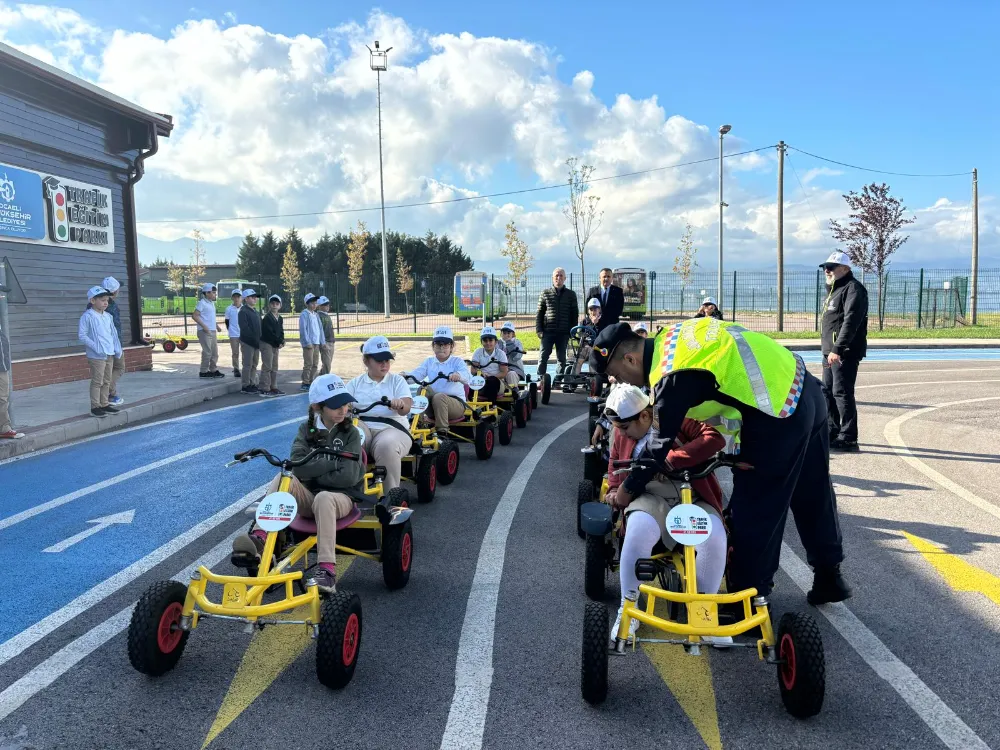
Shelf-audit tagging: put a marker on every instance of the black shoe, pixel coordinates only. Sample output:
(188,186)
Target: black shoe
(828,586)
(111,410)
(236,374)
(216,374)
(845,446)
(834,436)
(204,374)
(98,412)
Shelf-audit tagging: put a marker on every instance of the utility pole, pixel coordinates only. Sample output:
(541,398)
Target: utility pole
(722,131)
(781,235)
(379,63)
(975,246)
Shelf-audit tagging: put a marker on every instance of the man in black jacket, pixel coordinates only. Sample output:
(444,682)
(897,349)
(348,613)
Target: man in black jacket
(612,300)
(845,343)
(558,312)
(249,320)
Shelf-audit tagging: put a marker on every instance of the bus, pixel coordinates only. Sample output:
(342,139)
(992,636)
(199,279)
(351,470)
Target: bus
(633,283)
(226,287)
(472,291)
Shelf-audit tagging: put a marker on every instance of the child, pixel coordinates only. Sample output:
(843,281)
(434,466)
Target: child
(232,318)
(98,334)
(112,285)
(311,337)
(709,309)
(315,483)
(326,348)
(494,372)
(514,350)
(590,321)
(448,397)
(631,412)
(272,338)
(7,431)
(249,320)
(204,318)
(642,329)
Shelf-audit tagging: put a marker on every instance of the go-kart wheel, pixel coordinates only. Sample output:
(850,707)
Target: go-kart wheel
(595,386)
(584,494)
(595,568)
(484,440)
(398,497)
(533,390)
(427,480)
(169,346)
(506,428)
(546,388)
(521,412)
(594,664)
(182,344)
(530,406)
(594,467)
(447,461)
(802,671)
(155,640)
(595,409)
(397,554)
(339,641)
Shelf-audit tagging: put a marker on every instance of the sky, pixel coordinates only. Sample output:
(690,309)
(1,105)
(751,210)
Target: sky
(276,113)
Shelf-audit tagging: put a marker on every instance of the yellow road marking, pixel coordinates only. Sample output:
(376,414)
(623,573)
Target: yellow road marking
(956,572)
(270,652)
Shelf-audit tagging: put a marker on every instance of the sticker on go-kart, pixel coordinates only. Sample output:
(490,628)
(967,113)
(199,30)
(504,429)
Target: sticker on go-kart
(420,404)
(477,382)
(689,524)
(414,389)
(360,432)
(276,511)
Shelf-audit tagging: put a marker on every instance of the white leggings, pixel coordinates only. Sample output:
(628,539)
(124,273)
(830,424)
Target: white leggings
(641,535)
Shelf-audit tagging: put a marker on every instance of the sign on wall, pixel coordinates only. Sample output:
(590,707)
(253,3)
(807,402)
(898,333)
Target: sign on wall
(44,209)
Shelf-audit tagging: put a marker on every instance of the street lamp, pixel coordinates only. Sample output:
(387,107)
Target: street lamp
(379,63)
(722,131)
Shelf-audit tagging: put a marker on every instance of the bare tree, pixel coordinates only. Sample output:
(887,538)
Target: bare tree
(404,276)
(871,236)
(291,275)
(519,260)
(684,261)
(357,248)
(581,210)
(196,272)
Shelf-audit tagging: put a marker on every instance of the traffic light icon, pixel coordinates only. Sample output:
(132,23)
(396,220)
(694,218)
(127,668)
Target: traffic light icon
(58,210)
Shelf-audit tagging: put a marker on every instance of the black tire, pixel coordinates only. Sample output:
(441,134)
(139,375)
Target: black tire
(397,554)
(155,642)
(169,346)
(530,405)
(802,671)
(546,388)
(448,459)
(339,641)
(182,344)
(594,467)
(594,664)
(398,497)
(521,412)
(594,389)
(533,390)
(427,480)
(594,410)
(595,568)
(484,440)
(505,426)
(584,494)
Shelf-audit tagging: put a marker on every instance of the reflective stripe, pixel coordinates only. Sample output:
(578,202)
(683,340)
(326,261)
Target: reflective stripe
(730,425)
(761,396)
(670,348)
(796,390)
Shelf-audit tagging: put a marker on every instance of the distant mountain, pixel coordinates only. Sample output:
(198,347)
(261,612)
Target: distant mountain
(222,252)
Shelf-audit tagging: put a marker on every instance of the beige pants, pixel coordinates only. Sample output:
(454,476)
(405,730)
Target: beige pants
(209,350)
(251,358)
(386,447)
(445,408)
(326,355)
(234,345)
(512,378)
(100,381)
(310,363)
(117,370)
(5,402)
(268,367)
(326,507)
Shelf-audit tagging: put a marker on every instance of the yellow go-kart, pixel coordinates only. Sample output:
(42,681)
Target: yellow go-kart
(796,649)
(505,417)
(166,614)
(478,425)
(168,341)
(424,434)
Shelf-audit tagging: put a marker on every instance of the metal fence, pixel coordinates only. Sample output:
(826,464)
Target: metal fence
(921,298)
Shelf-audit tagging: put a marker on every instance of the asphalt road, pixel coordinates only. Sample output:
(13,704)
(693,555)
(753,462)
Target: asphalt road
(910,658)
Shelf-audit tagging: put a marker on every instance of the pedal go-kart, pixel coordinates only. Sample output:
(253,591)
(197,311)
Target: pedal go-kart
(796,649)
(594,485)
(424,434)
(168,341)
(505,417)
(168,611)
(566,379)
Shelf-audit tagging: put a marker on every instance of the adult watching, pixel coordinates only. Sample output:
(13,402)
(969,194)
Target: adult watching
(558,312)
(612,299)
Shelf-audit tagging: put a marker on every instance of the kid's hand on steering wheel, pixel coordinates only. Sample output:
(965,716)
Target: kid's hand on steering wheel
(622,498)
(455,378)
(598,434)
(397,405)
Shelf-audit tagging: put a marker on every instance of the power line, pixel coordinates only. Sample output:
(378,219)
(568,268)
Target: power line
(878,171)
(452,200)
(803,189)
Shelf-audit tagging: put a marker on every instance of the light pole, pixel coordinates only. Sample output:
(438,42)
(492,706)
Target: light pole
(722,131)
(380,63)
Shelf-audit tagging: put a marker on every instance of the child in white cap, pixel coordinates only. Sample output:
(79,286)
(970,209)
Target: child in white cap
(490,361)
(642,329)
(98,334)
(118,369)
(447,397)
(709,308)
(311,337)
(514,350)
(631,412)
(250,341)
(272,339)
(326,322)
(232,318)
(208,327)
(590,321)
(315,485)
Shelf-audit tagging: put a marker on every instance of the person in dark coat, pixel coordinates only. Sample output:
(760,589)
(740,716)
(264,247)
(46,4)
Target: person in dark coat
(250,329)
(558,311)
(845,343)
(611,297)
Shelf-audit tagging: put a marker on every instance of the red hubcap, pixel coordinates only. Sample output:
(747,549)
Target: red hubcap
(406,551)
(489,440)
(433,479)
(167,636)
(510,428)
(351,639)
(452,462)
(786,651)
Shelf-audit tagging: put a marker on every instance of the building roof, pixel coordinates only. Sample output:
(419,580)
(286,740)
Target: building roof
(60,78)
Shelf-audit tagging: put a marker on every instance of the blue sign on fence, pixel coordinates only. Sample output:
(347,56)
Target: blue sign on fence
(22,213)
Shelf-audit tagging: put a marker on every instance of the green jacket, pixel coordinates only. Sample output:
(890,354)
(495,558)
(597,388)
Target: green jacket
(327,322)
(328,472)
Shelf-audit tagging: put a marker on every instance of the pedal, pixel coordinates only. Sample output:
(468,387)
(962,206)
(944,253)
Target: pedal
(243,560)
(645,570)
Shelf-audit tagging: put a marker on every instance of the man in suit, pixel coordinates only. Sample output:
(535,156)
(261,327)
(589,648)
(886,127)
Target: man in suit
(612,300)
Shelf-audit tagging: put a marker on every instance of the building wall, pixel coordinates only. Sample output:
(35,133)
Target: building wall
(70,138)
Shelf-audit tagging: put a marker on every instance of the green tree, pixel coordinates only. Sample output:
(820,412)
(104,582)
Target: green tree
(291,276)
(357,249)
(248,257)
(519,260)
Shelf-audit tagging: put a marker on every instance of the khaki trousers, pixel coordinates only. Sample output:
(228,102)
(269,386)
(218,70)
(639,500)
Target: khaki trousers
(209,350)
(5,402)
(445,408)
(310,363)
(386,447)
(234,345)
(100,381)
(117,370)
(251,358)
(268,367)
(326,355)
(326,507)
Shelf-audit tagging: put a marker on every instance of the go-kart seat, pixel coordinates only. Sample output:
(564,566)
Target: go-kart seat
(308,525)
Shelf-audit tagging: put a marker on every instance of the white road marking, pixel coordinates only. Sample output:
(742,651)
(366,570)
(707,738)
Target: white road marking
(125,517)
(28,637)
(926,382)
(474,665)
(895,440)
(933,711)
(24,515)
(78,649)
(918,371)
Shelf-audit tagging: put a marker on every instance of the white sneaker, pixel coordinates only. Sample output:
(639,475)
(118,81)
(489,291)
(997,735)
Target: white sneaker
(718,641)
(618,621)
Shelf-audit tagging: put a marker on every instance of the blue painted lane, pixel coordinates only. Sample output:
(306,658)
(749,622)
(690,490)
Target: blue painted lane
(916,355)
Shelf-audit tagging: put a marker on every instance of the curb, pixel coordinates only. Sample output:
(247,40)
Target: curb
(86,426)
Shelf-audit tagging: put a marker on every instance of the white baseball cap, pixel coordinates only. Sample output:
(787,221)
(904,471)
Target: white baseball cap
(249,293)
(322,300)
(508,326)
(625,402)
(310,297)
(594,302)
(208,287)
(377,347)
(97,291)
(442,334)
(111,284)
(641,326)
(837,259)
(488,331)
(274,297)
(709,301)
(330,391)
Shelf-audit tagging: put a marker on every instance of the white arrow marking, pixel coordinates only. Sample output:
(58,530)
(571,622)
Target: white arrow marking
(101,523)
